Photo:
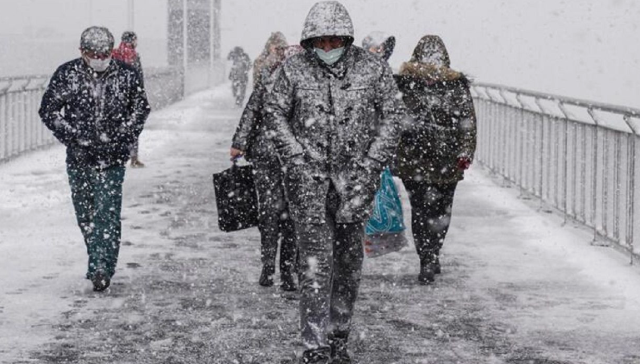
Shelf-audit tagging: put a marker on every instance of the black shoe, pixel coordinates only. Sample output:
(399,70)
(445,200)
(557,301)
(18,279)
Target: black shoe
(339,354)
(266,278)
(427,273)
(287,283)
(436,268)
(316,356)
(100,281)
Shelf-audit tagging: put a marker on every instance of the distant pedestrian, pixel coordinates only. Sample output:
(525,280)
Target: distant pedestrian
(97,108)
(271,55)
(380,44)
(334,116)
(127,53)
(252,141)
(239,74)
(437,148)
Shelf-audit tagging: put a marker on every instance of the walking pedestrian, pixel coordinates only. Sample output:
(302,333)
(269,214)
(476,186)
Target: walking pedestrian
(251,140)
(323,109)
(437,148)
(127,53)
(380,44)
(97,108)
(271,55)
(239,74)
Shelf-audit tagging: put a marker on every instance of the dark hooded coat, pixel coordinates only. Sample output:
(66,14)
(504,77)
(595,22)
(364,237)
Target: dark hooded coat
(96,117)
(444,122)
(336,124)
(241,63)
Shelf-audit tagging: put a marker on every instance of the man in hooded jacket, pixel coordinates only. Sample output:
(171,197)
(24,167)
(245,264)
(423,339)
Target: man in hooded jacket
(96,107)
(336,118)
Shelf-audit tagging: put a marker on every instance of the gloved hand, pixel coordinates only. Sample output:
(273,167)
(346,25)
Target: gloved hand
(235,153)
(463,163)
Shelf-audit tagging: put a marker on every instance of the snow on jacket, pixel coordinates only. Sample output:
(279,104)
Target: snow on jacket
(444,122)
(337,124)
(252,135)
(96,118)
(379,39)
(268,58)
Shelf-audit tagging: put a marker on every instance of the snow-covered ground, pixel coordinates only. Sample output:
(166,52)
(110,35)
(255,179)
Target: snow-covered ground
(517,287)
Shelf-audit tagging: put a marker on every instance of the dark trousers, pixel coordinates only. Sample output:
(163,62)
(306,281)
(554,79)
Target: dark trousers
(97,199)
(274,222)
(239,89)
(430,216)
(330,261)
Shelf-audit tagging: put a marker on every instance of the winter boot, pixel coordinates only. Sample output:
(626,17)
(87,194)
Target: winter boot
(339,354)
(135,163)
(316,356)
(436,268)
(101,281)
(287,282)
(266,278)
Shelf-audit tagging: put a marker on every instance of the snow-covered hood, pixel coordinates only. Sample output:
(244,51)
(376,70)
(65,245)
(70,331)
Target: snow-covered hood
(431,50)
(327,18)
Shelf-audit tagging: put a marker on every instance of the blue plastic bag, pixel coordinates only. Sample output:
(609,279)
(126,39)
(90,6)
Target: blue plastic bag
(384,232)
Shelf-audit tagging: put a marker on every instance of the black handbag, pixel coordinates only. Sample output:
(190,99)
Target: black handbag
(236,198)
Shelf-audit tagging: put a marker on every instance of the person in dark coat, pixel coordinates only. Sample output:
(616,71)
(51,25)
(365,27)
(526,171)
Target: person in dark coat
(126,52)
(380,44)
(239,74)
(252,141)
(271,55)
(97,108)
(437,148)
(335,120)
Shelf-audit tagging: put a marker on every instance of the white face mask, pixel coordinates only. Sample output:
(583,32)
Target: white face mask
(330,57)
(98,65)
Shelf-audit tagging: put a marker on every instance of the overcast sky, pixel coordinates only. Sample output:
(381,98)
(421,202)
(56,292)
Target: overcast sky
(587,49)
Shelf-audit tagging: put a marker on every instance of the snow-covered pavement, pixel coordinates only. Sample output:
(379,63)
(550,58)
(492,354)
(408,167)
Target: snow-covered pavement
(517,287)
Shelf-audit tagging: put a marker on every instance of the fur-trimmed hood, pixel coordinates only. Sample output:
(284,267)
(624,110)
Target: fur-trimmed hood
(430,61)
(430,73)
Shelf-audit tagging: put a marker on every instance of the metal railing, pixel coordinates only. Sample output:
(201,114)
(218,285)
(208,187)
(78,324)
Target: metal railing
(20,125)
(21,129)
(577,156)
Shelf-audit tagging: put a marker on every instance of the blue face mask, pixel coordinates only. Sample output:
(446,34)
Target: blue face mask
(330,57)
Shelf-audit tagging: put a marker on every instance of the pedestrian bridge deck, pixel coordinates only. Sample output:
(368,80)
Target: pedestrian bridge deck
(517,286)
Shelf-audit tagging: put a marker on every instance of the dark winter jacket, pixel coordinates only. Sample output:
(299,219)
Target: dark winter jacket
(96,117)
(333,125)
(444,122)
(241,65)
(251,135)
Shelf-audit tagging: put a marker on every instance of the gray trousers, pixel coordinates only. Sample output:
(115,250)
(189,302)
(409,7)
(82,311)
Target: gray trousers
(330,262)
